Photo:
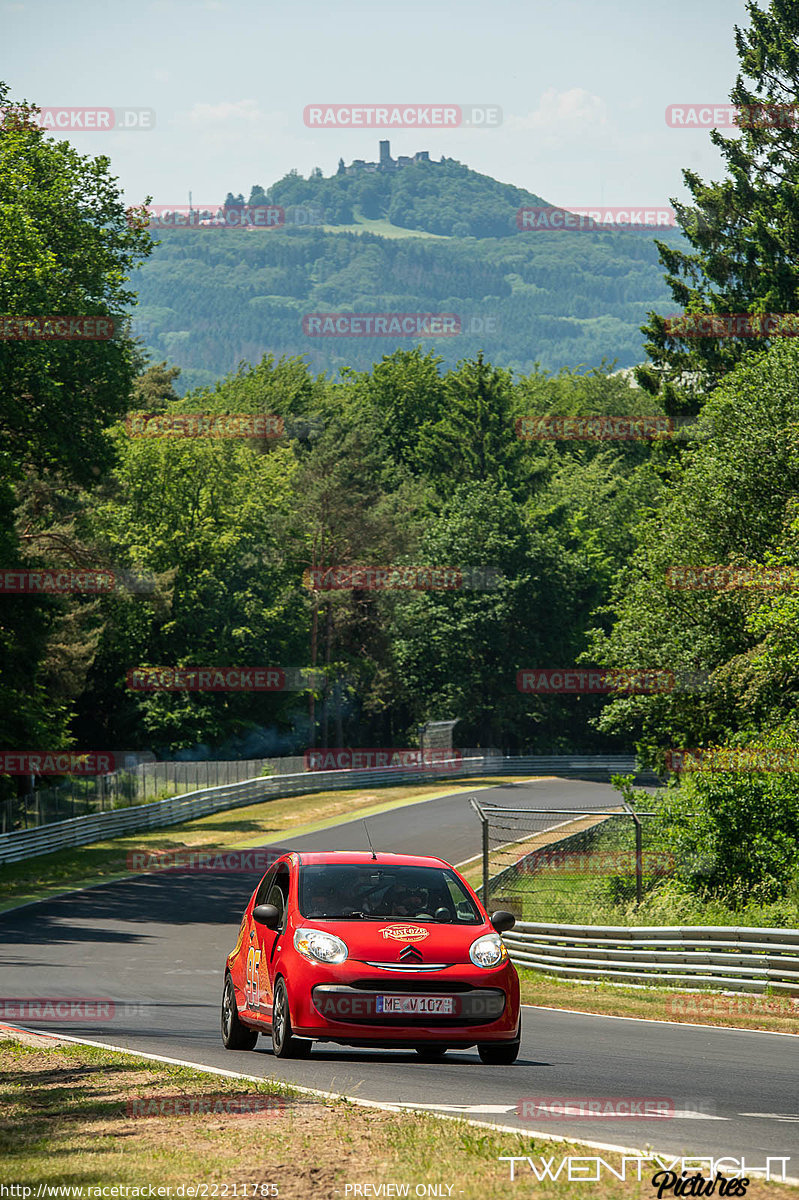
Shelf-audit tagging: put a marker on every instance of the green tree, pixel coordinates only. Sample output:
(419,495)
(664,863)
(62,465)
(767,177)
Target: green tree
(66,249)
(475,439)
(744,230)
(726,504)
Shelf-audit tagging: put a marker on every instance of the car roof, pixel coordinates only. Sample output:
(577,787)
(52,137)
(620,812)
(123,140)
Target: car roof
(352,857)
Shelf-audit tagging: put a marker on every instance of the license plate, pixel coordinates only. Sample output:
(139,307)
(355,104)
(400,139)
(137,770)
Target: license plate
(415,1005)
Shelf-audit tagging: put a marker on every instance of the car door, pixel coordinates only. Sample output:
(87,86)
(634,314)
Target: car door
(253,947)
(265,941)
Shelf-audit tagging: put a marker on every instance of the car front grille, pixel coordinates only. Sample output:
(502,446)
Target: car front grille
(409,985)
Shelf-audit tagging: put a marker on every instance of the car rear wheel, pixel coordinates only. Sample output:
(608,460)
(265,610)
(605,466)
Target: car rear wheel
(284,1043)
(235,1036)
(501,1054)
(431,1053)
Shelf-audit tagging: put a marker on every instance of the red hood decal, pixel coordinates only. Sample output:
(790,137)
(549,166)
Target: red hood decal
(405,933)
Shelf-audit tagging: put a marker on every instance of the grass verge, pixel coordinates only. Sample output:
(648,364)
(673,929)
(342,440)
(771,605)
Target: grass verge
(257,824)
(777,1013)
(65,1120)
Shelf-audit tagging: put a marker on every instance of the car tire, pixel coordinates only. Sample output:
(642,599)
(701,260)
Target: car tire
(431,1053)
(235,1035)
(501,1054)
(284,1043)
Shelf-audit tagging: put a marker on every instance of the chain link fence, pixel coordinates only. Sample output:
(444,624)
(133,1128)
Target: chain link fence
(80,796)
(570,865)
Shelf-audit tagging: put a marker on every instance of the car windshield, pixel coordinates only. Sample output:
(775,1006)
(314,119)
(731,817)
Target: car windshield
(374,892)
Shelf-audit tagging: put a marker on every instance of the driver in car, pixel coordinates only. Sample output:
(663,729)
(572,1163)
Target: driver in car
(406,901)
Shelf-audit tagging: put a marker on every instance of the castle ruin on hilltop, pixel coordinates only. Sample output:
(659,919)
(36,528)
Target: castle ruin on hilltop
(386,162)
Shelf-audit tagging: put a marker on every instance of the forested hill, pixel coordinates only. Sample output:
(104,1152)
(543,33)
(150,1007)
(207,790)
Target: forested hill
(408,237)
(445,198)
(211,299)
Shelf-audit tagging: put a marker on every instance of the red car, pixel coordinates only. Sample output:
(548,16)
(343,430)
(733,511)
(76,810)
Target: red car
(371,949)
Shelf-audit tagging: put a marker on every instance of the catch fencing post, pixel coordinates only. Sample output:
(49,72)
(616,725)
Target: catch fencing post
(484,822)
(639,856)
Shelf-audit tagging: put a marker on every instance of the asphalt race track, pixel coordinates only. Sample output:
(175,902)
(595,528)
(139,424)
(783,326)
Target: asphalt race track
(156,946)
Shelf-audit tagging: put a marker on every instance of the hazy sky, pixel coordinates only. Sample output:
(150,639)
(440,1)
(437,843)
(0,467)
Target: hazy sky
(583,86)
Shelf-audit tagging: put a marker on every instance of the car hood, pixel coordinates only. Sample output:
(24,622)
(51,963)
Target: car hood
(385,940)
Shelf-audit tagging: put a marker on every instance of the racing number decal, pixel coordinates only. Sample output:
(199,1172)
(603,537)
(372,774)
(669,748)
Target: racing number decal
(252,989)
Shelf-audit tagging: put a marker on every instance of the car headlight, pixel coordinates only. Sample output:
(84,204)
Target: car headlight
(318,946)
(488,951)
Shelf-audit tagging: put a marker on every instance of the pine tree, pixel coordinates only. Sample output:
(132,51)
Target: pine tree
(744,230)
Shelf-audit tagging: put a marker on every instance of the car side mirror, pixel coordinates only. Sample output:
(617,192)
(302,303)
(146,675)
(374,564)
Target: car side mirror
(503,920)
(266,914)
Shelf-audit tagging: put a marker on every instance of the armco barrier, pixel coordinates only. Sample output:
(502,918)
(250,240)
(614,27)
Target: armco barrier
(80,831)
(696,956)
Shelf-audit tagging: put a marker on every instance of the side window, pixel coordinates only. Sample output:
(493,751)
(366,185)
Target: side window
(263,888)
(279,893)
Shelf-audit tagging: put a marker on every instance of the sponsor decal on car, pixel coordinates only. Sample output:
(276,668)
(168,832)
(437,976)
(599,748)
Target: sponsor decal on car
(405,933)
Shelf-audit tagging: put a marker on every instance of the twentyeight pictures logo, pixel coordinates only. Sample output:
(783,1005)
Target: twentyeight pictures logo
(402,116)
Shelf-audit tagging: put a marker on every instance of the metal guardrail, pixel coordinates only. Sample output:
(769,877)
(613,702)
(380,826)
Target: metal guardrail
(746,959)
(79,831)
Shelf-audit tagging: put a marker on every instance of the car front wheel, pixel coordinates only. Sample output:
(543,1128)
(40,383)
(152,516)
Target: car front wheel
(501,1054)
(284,1043)
(235,1036)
